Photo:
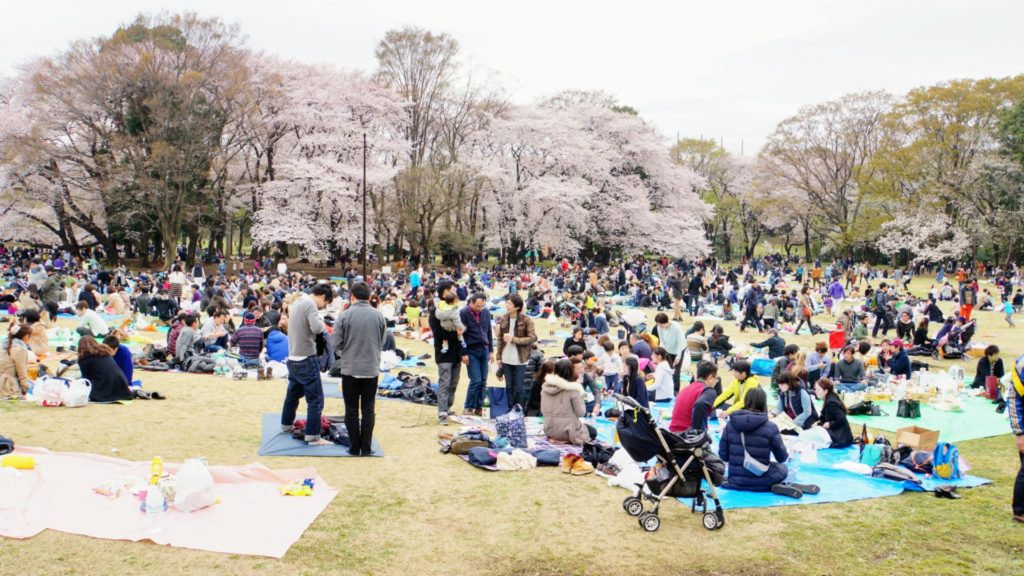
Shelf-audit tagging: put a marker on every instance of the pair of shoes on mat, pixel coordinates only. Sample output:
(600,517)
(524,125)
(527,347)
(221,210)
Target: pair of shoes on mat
(947,491)
(575,464)
(795,490)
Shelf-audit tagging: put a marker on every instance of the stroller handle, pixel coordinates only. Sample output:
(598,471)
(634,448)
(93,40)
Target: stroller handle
(629,401)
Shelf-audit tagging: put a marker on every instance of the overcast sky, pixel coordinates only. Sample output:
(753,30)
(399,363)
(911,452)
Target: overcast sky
(724,69)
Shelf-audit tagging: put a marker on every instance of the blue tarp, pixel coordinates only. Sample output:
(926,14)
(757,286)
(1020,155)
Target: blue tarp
(278,443)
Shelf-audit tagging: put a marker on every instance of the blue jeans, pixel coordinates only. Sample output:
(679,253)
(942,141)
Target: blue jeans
(850,387)
(477,371)
(304,381)
(513,375)
(249,362)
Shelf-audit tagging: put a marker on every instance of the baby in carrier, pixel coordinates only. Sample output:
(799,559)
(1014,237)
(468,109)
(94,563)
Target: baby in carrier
(447,312)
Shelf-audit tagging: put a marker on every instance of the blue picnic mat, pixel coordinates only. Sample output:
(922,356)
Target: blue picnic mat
(277,443)
(836,485)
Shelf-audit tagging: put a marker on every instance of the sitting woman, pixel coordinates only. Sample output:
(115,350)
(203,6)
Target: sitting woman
(905,327)
(533,404)
(731,399)
(96,362)
(833,414)
(122,355)
(795,402)
(15,357)
(633,384)
(561,401)
(118,302)
(718,343)
(696,342)
(748,443)
(37,341)
(921,335)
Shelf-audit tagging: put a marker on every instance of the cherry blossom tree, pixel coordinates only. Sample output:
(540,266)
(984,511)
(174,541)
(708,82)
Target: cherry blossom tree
(313,198)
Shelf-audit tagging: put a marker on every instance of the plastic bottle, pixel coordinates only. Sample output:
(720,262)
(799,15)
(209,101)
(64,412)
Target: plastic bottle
(155,504)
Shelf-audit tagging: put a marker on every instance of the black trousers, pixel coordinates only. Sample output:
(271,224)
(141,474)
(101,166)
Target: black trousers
(884,321)
(360,395)
(750,317)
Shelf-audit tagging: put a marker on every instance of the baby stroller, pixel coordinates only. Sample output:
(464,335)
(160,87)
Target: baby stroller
(954,344)
(683,462)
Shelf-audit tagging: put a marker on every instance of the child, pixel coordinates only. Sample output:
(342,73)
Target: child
(447,311)
(412,314)
(612,367)
(1008,309)
(828,305)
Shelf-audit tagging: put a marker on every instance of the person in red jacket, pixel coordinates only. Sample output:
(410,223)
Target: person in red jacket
(694,403)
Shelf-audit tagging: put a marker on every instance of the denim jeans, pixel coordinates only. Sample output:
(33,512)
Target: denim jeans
(360,395)
(850,387)
(477,371)
(513,375)
(304,381)
(246,362)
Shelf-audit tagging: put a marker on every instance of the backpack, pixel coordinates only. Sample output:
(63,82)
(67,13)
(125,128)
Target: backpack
(946,461)
(918,461)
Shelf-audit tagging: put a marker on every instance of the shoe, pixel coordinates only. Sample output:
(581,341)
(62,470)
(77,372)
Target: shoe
(947,491)
(567,462)
(1019,518)
(442,420)
(1001,407)
(787,490)
(806,488)
(581,467)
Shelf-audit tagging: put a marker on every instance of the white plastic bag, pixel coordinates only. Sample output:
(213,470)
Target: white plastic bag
(193,486)
(388,360)
(48,391)
(76,393)
(816,436)
(277,369)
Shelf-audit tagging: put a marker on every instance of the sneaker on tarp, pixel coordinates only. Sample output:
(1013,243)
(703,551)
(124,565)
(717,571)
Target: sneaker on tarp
(787,490)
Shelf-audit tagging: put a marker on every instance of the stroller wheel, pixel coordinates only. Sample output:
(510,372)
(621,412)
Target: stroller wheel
(633,506)
(650,522)
(711,521)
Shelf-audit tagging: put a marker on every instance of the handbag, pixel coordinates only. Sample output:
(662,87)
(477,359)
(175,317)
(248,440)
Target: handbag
(751,464)
(908,409)
(864,408)
(512,425)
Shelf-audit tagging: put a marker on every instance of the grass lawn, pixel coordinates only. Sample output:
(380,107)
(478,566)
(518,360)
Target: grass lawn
(419,512)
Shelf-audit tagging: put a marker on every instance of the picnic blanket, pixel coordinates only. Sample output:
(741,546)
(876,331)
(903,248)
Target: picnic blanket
(274,442)
(978,420)
(251,518)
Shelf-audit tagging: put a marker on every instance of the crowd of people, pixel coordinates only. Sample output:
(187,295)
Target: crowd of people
(284,317)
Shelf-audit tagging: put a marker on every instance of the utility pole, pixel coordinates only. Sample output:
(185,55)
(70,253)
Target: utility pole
(364,208)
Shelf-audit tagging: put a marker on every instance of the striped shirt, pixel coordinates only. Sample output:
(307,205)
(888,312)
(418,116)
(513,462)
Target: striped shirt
(249,340)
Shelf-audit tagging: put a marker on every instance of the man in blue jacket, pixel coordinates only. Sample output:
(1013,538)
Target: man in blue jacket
(477,356)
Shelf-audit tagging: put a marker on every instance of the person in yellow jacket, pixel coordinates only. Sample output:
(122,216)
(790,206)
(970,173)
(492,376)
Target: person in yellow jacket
(737,391)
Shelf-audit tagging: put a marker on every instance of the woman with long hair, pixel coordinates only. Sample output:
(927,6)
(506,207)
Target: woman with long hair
(833,414)
(14,360)
(96,361)
(633,384)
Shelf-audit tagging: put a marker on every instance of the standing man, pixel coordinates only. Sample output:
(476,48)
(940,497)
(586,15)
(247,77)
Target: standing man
(750,301)
(477,356)
(516,336)
(968,298)
(881,311)
(694,289)
(672,340)
(359,334)
(304,323)
(448,355)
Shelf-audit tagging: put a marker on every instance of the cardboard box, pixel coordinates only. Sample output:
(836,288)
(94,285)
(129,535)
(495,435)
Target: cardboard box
(917,438)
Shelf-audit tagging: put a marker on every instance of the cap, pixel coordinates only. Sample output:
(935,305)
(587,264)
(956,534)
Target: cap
(897,343)
(249,318)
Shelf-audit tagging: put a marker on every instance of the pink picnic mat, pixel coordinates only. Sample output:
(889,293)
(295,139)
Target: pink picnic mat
(252,516)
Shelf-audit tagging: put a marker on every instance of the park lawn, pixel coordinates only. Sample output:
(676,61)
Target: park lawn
(419,512)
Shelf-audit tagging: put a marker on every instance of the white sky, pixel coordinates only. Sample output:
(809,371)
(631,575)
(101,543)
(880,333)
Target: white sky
(721,69)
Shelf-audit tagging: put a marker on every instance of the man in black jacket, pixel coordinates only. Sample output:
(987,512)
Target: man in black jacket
(775,344)
(448,358)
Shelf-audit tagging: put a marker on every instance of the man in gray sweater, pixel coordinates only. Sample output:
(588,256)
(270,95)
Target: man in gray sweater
(359,334)
(304,323)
